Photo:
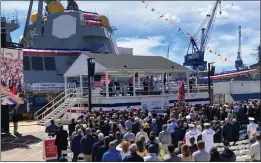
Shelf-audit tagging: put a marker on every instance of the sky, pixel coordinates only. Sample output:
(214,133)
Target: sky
(141,29)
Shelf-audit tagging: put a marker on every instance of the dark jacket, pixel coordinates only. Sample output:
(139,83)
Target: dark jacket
(135,128)
(172,158)
(215,157)
(101,150)
(71,128)
(217,135)
(87,143)
(227,156)
(105,129)
(235,129)
(95,149)
(61,139)
(76,144)
(133,157)
(156,145)
(227,132)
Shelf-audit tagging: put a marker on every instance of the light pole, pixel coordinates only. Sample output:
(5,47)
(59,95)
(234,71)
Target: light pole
(209,82)
(91,71)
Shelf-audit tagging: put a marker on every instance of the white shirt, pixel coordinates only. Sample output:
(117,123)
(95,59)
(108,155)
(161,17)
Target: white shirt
(251,128)
(142,133)
(208,138)
(190,133)
(254,151)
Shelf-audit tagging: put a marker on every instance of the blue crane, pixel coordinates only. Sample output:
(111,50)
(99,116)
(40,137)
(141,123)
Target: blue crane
(195,59)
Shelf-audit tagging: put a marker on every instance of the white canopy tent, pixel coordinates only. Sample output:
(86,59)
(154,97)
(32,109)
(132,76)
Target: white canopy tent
(130,64)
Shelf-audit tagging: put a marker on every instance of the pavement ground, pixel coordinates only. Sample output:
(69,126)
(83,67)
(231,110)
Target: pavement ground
(27,146)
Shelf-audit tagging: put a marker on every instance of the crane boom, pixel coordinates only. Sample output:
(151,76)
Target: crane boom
(195,59)
(239,62)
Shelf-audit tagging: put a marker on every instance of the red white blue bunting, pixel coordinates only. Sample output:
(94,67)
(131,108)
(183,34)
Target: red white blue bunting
(53,51)
(160,15)
(93,22)
(233,74)
(85,13)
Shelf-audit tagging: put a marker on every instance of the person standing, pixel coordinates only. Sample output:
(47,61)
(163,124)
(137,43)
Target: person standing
(15,119)
(152,156)
(165,138)
(227,155)
(75,145)
(236,129)
(133,156)
(227,130)
(71,127)
(201,155)
(61,141)
(112,155)
(171,157)
(252,127)
(191,132)
(51,129)
(102,149)
(97,145)
(208,137)
(254,150)
(86,145)
(142,133)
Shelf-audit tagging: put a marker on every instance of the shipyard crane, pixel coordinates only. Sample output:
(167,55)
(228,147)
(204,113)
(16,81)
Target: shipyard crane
(239,62)
(195,58)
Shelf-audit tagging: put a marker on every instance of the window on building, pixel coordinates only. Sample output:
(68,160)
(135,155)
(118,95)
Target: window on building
(37,63)
(49,63)
(27,64)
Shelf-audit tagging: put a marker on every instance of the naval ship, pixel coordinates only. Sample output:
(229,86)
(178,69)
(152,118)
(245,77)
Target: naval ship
(53,41)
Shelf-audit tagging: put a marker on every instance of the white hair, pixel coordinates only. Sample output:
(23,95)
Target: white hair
(101,136)
(133,148)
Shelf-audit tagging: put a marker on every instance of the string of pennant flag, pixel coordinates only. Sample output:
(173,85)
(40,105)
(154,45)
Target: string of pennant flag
(161,16)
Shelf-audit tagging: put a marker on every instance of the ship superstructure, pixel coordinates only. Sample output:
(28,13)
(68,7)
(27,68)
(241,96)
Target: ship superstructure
(55,39)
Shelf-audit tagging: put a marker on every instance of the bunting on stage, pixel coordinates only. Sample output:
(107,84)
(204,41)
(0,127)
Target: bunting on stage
(210,50)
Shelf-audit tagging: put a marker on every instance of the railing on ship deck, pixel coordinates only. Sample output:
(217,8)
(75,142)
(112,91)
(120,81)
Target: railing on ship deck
(139,91)
(57,101)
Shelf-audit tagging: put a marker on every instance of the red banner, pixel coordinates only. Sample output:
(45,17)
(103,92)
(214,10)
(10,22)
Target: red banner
(50,149)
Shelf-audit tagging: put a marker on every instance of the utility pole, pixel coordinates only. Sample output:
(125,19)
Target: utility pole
(209,81)
(91,71)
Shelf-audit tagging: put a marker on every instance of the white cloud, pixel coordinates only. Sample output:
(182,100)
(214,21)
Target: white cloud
(142,46)
(188,14)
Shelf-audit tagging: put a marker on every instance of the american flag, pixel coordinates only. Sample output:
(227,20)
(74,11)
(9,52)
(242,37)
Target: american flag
(181,93)
(100,84)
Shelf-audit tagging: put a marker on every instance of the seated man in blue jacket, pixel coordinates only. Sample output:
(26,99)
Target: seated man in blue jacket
(112,155)
(86,145)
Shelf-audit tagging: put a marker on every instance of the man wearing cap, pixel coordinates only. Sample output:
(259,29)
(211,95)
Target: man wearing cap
(191,132)
(252,127)
(208,137)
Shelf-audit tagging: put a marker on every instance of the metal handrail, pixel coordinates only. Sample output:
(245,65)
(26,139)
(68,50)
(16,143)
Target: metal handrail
(51,108)
(72,92)
(52,101)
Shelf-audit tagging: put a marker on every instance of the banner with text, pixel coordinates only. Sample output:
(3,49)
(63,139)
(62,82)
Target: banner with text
(47,87)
